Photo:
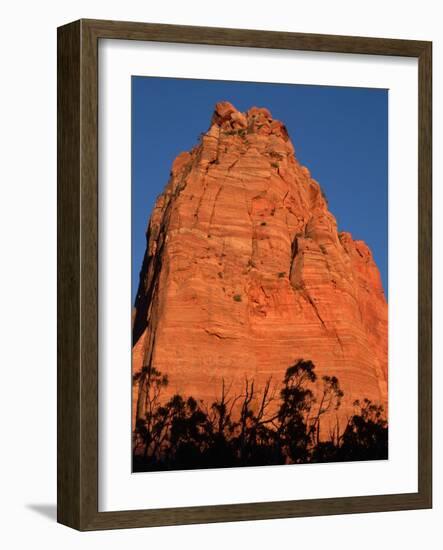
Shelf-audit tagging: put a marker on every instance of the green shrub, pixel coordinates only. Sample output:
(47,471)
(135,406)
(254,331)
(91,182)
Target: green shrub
(281,274)
(237,298)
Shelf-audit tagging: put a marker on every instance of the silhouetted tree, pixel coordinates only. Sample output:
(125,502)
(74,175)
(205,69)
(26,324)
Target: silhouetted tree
(366,435)
(152,430)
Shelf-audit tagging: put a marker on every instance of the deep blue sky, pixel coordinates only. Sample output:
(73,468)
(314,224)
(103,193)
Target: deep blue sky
(340,134)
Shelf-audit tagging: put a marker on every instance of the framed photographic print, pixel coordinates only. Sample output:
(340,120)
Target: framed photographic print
(244,275)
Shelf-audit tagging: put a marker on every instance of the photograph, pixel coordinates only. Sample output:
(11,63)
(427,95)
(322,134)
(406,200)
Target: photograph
(259,274)
(218,225)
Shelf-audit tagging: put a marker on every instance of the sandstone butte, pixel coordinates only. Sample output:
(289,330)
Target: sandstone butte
(245,272)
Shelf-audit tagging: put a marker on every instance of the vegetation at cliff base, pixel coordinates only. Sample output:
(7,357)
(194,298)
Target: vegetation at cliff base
(259,427)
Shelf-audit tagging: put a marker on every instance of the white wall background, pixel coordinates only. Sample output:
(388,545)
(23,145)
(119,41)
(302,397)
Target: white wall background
(28,274)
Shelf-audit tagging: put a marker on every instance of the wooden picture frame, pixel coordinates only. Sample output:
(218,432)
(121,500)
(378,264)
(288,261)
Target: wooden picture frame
(78,274)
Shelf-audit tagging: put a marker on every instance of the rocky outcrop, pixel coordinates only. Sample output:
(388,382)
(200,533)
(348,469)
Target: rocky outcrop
(245,272)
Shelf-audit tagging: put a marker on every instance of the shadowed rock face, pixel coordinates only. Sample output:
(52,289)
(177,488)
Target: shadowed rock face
(245,272)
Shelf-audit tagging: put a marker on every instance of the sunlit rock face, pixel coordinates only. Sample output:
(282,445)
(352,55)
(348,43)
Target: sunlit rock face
(245,272)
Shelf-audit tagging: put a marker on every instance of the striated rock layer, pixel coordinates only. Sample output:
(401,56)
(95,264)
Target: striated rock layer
(245,272)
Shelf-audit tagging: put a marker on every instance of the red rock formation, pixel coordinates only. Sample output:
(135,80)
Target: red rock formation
(245,272)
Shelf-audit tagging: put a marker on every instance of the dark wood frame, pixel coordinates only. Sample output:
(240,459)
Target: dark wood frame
(77,456)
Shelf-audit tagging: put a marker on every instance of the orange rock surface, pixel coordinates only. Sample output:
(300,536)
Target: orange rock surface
(245,272)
